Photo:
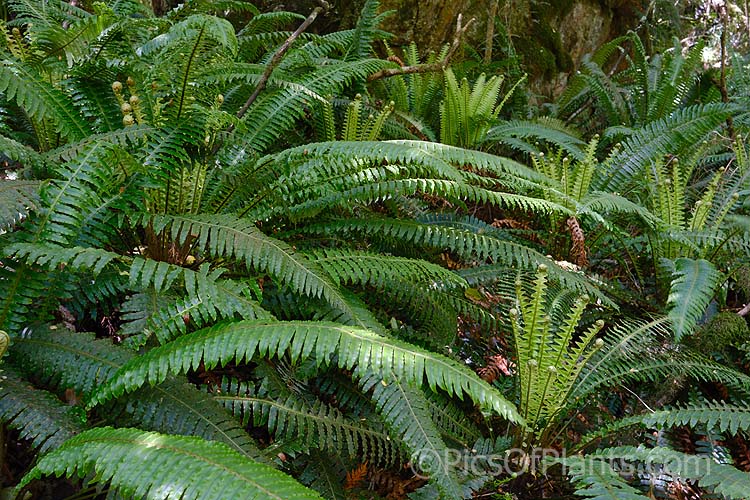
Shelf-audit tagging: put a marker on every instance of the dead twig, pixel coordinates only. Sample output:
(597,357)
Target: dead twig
(427,68)
(278,55)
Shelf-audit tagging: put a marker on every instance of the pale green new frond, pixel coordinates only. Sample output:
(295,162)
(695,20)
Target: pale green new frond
(118,456)
(692,288)
(242,340)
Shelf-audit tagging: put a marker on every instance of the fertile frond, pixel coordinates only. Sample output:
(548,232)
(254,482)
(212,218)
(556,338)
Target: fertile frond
(693,287)
(38,415)
(117,456)
(17,199)
(242,340)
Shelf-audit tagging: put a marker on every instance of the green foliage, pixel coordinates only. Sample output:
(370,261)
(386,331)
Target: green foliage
(355,347)
(332,298)
(117,455)
(551,354)
(692,289)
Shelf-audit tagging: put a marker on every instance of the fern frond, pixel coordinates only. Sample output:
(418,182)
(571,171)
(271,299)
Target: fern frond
(241,340)
(693,287)
(711,415)
(438,233)
(38,415)
(672,135)
(17,199)
(40,100)
(317,424)
(229,236)
(402,406)
(597,480)
(117,456)
(722,479)
(274,113)
(65,359)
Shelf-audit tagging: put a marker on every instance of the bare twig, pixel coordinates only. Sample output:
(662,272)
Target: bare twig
(279,54)
(427,68)
(490,32)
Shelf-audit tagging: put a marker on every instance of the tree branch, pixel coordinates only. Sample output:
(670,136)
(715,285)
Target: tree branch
(278,55)
(427,68)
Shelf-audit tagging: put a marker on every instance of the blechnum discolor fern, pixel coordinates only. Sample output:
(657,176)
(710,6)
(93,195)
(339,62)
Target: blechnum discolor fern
(253,280)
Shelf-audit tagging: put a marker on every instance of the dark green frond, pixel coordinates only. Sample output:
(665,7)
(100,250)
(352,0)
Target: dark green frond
(693,287)
(17,199)
(117,456)
(241,340)
(41,100)
(403,405)
(673,135)
(711,415)
(318,425)
(38,415)
(65,359)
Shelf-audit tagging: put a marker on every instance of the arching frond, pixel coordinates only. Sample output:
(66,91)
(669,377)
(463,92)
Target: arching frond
(241,340)
(117,456)
(38,415)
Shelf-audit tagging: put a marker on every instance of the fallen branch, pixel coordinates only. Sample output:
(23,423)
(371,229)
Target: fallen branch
(278,55)
(427,68)
(745,310)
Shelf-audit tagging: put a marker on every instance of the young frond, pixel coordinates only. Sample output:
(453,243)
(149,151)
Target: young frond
(242,340)
(117,456)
